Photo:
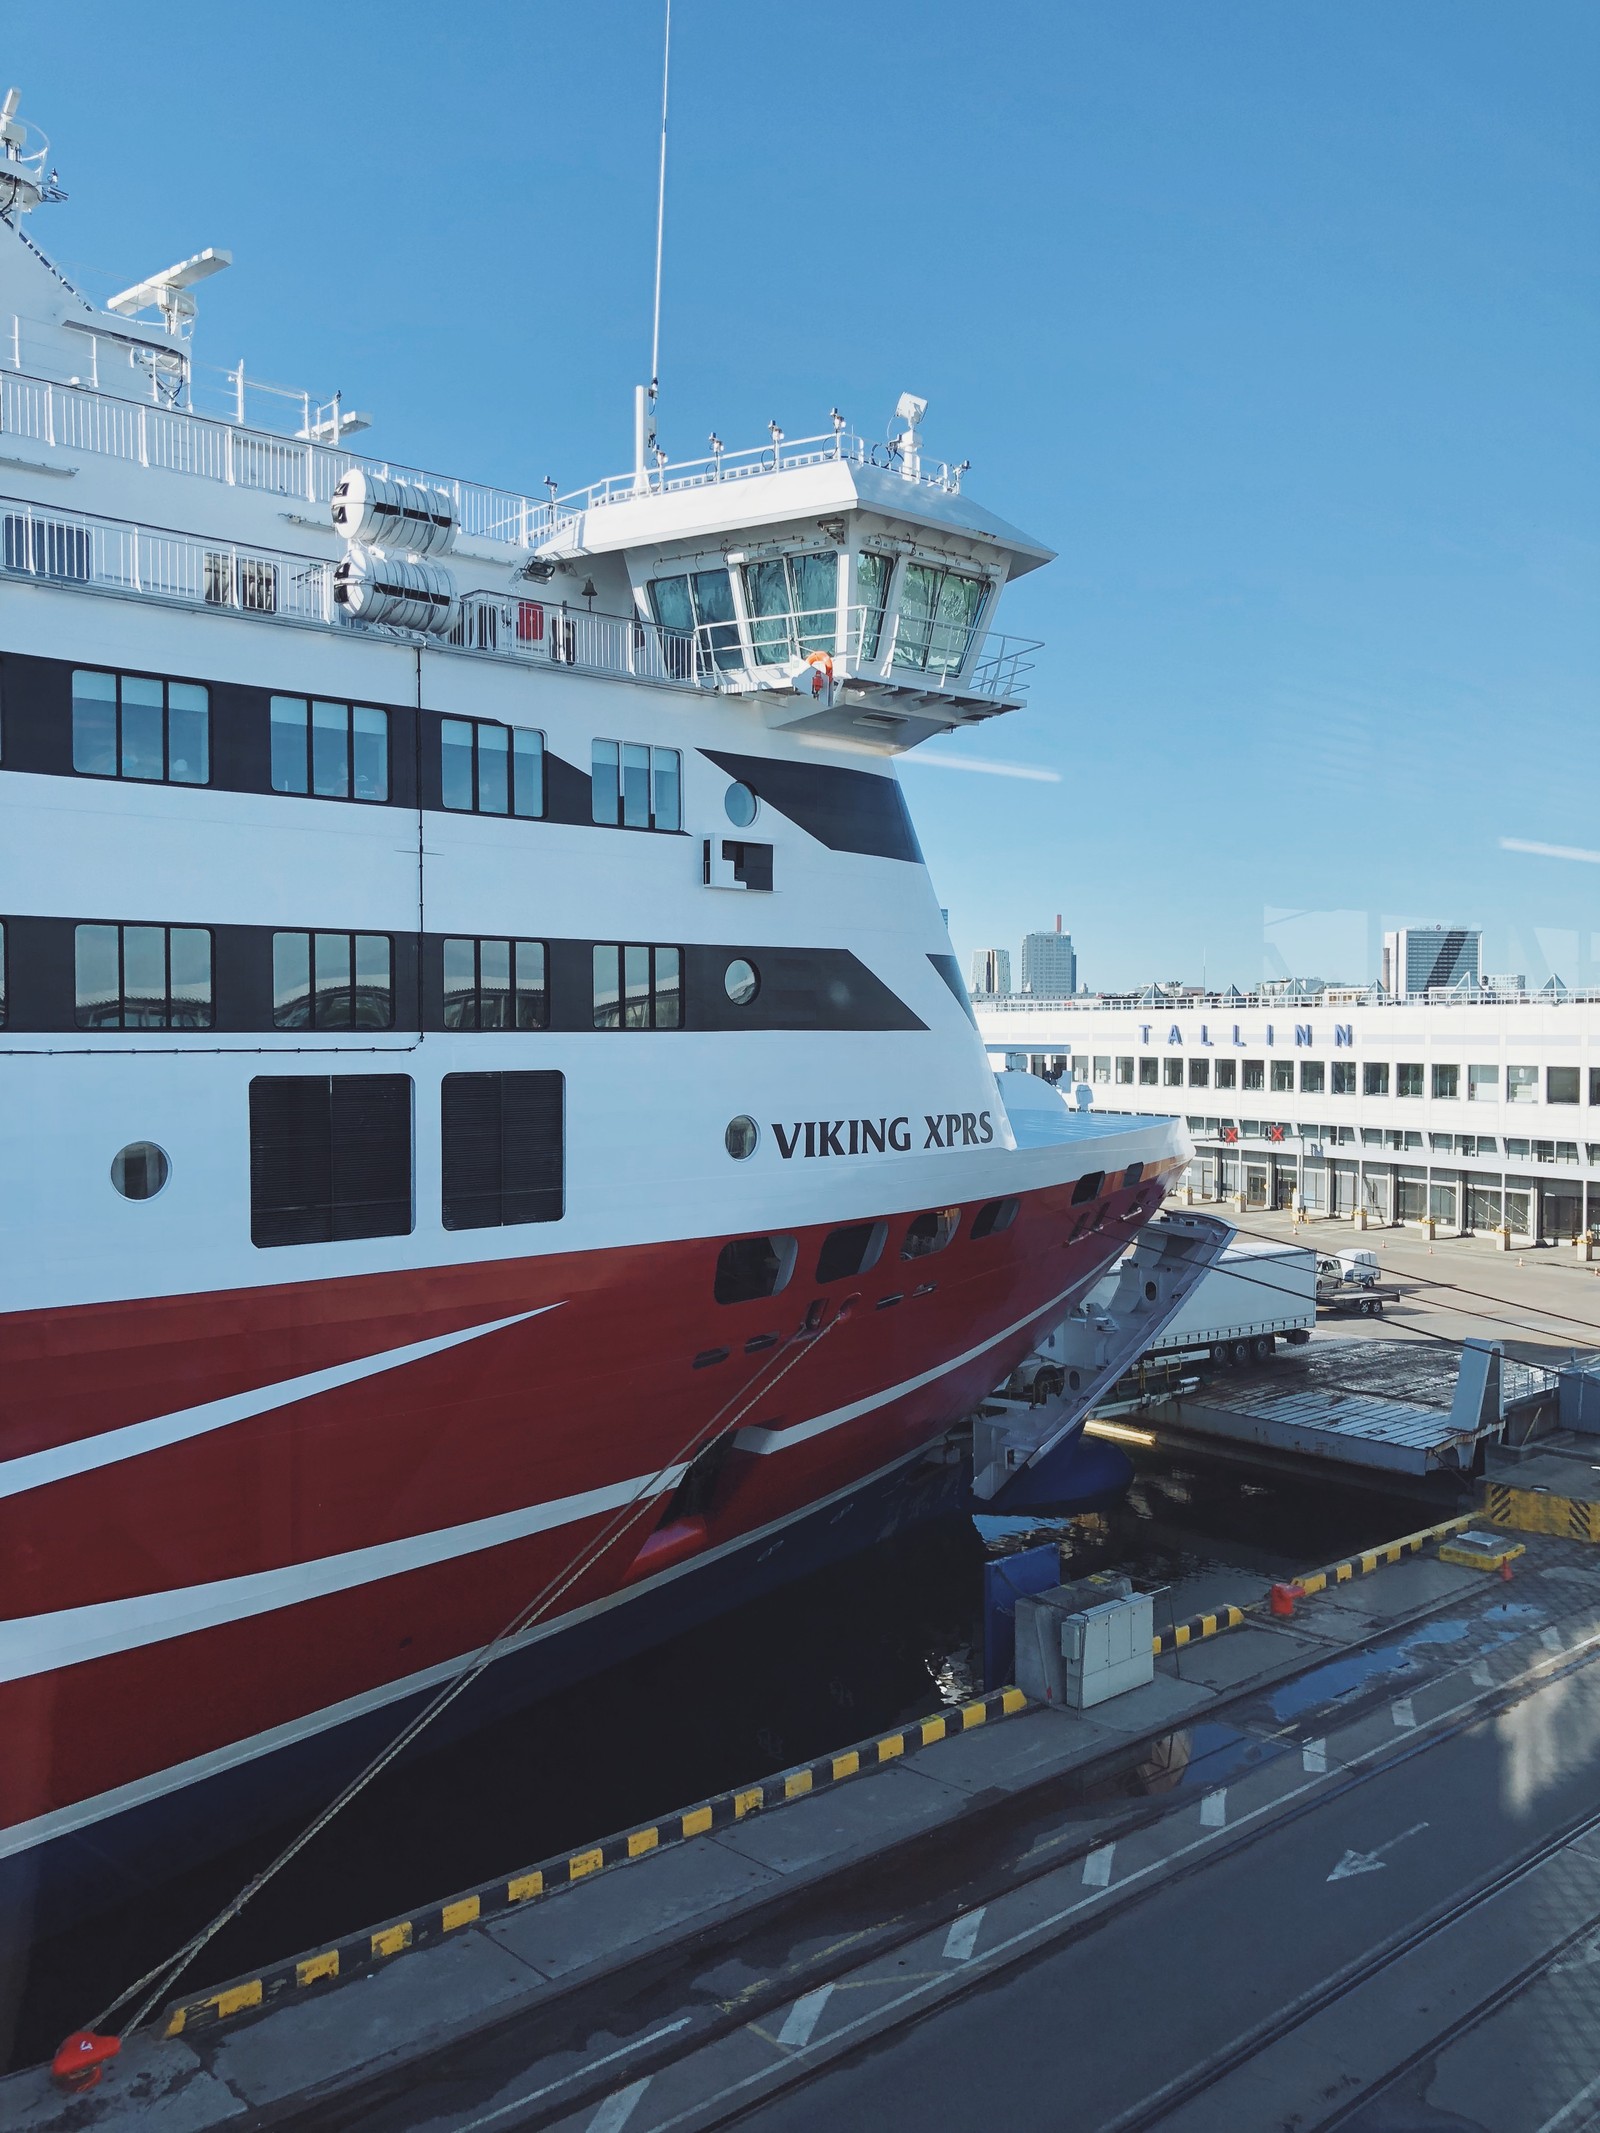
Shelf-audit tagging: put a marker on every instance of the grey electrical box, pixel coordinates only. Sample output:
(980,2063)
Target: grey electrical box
(1085,1642)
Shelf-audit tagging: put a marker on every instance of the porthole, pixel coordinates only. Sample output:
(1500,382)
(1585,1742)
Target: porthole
(741,806)
(140,1170)
(741,981)
(741,1137)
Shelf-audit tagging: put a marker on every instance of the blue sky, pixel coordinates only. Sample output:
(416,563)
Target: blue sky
(1280,323)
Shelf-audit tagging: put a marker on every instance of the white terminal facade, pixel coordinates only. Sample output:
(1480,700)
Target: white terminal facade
(1479,1109)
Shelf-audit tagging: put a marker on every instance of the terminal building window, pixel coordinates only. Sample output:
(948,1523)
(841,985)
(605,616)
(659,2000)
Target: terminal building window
(1125,1070)
(332,981)
(1447,1084)
(1483,1084)
(635,787)
(1172,1073)
(1408,1078)
(330,1157)
(1255,1074)
(1282,1074)
(1560,1085)
(1522,1084)
(501,1149)
(1199,1073)
(637,986)
(1375,1078)
(334,751)
(1150,1074)
(490,769)
(1311,1077)
(1225,1074)
(495,985)
(1594,1085)
(135,726)
(143,977)
(1102,1067)
(1343,1073)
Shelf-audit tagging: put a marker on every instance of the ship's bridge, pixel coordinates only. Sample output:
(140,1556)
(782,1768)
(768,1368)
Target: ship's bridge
(848,586)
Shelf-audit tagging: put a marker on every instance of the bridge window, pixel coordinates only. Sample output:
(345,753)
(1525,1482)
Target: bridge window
(332,981)
(793,605)
(335,751)
(137,726)
(635,787)
(700,604)
(490,769)
(873,573)
(939,612)
(143,977)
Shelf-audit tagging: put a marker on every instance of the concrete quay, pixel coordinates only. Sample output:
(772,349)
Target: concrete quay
(1313,1859)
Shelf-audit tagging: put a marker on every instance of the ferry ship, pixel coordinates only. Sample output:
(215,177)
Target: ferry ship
(493,1129)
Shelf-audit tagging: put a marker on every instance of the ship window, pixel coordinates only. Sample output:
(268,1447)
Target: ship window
(851,1250)
(752,1267)
(490,769)
(140,1170)
(930,1232)
(1087,1186)
(47,547)
(637,986)
(143,977)
(635,787)
(873,573)
(939,612)
(3,993)
(793,605)
(495,985)
(137,726)
(992,1217)
(699,602)
(336,751)
(330,1157)
(502,1149)
(332,981)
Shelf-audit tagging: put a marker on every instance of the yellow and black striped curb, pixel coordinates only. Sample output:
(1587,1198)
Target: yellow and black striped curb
(1354,1566)
(361,1952)
(1538,1511)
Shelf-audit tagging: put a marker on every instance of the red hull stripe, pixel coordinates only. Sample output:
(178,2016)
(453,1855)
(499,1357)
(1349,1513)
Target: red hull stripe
(35,1470)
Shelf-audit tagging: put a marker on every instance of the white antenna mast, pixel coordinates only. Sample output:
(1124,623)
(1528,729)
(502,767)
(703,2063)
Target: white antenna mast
(644,415)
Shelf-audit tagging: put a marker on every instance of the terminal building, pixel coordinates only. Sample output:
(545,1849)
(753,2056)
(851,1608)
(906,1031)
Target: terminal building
(1481,1109)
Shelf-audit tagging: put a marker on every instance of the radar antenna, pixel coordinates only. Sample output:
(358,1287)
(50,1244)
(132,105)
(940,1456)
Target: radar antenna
(24,151)
(171,291)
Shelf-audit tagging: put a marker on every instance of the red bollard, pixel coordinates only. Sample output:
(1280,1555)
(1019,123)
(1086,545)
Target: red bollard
(1281,1599)
(82,2059)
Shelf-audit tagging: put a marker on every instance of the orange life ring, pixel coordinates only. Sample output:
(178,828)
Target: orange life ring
(823,663)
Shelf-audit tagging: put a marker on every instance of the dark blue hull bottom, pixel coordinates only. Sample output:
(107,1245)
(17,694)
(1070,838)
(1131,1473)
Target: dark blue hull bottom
(59,1884)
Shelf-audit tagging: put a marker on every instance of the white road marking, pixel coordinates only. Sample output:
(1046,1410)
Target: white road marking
(1401,1712)
(803,2017)
(615,2112)
(1314,1757)
(1214,1809)
(962,1937)
(1552,1640)
(622,2051)
(1097,1867)
(1372,1862)
(1481,1674)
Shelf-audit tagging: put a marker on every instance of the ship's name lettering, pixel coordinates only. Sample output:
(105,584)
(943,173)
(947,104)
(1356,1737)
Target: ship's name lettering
(879,1136)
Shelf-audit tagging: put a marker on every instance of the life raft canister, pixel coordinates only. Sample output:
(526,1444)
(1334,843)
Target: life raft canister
(821,665)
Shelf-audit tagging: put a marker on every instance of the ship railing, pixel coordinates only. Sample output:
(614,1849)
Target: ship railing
(81,419)
(1333,1000)
(70,548)
(797,648)
(775,458)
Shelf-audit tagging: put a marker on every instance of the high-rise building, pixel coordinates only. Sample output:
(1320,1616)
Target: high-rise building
(991,973)
(1417,958)
(1049,967)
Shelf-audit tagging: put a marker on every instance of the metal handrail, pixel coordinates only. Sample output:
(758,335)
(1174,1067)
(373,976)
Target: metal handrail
(774,650)
(1334,998)
(775,458)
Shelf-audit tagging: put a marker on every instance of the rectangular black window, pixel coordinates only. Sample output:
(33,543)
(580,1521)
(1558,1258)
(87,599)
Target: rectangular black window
(1344,1078)
(1149,1071)
(47,547)
(2,977)
(143,977)
(138,726)
(1225,1075)
(330,1157)
(634,787)
(495,985)
(1311,1077)
(1561,1085)
(336,751)
(502,1149)
(332,981)
(490,769)
(637,986)
(1375,1078)
(1255,1074)
(1408,1078)
(1283,1074)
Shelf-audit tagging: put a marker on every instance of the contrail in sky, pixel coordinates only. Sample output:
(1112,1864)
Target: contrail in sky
(1550,851)
(1030,771)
